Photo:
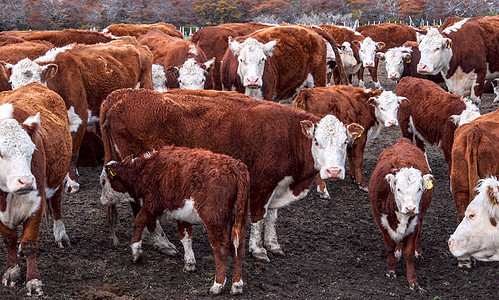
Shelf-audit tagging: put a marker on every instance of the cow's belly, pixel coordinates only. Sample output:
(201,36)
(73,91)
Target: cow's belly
(187,213)
(283,195)
(461,83)
(19,208)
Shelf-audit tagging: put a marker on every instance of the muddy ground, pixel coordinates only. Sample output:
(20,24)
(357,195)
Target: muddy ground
(333,250)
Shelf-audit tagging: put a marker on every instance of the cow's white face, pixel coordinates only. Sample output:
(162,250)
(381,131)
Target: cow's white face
(386,108)
(24,72)
(16,151)
(478,233)
(407,186)
(469,114)
(347,56)
(109,196)
(251,55)
(192,75)
(367,52)
(395,60)
(329,144)
(436,53)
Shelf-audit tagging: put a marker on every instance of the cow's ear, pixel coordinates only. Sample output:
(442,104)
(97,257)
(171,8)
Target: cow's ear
(407,58)
(372,101)
(308,128)
(268,48)
(380,45)
(428,181)
(234,46)
(174,71)
(494,205)
(210,64)
(401,99)
(357,43)
(390,178)
(447,43)
(354,131)
(32,125)
(419,37)
(380,55)
(455,119)
(6,65)
(49,71)
(109,172)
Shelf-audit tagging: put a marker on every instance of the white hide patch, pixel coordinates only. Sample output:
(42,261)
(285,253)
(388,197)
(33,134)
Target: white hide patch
(348,59)
(187,213)
(74,120)
(193,50)
(189,257)
(25,71)
(283,195)
(49,193)
(412,129)
(19,208)
(455,27)
(404,227)
(407,186)
(158,78)
(52,53)
(191,75)
(463,84)
(467,115)
(91,117)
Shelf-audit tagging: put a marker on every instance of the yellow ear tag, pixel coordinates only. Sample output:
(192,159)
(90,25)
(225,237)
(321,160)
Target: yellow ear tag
(495,200)
(111,172)
(430,186)
(409,61)
(358,136)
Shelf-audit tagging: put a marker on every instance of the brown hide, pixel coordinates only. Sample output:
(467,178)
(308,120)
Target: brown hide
(401,155)
(475,156)
(60,38)
(393,35)
(214,42)
(171,51)
(430,108)
(259,133)
(449,22)
(350,105)
(136,30)
(298,53)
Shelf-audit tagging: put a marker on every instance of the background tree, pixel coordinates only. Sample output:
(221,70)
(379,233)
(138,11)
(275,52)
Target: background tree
(13,15)
(216,12)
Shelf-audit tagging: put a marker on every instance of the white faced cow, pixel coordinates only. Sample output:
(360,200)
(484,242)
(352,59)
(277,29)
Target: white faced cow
(192,75)
(395,59)
(367,54)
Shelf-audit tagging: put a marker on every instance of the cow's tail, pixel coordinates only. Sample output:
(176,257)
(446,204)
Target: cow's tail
(241,210)
(472,141)
(339,63)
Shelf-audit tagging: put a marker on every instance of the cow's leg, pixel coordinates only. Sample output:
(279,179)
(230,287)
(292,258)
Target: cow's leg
(495,83)
(72,186)
(351,171)
(255,242)
(112,221)
(391,260)
(270,232)
(157,238)
(142,219)
(60,234)
(184,231)
(322,188)
(408,252)
(220,242)
(418,250)
(237,258)
(360,75)
(357,158)
(29,244)
(374,74)
(12,271)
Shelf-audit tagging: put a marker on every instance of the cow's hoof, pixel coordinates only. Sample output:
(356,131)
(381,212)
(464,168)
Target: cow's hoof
(363,188)
(216,288)
(464,263)
(72,187)
(189,267)
(277,251)
(324,196)
(168,251)
(261,255)
(413,286)
(34,285)
(391,274)
(237,288)
(11,276)
(418,254)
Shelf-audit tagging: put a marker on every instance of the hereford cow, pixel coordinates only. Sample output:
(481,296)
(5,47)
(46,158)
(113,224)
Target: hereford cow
(61,38)
(364,50)
(184,63)
(432,115)
(466,54)
(213,41)
(371,109)
(193,186)
(137,30)
(259,133)
(275,63)
(476,235)
(83,75)
(36,151)
(391,35)
(400,194)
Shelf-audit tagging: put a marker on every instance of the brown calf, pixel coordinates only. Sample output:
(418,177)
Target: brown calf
(61,38)
(136,30)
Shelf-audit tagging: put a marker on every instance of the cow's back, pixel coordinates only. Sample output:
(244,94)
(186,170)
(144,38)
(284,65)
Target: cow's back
(137,30)
(393,35)
(63,37)
(342,34)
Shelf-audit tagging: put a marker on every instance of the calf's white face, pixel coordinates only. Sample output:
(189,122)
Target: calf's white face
(436,53)
(407,186)
(108,195)
(395,60)
(386,108)
(24,72)
(347,56)
(251,55)
(16,151)
(478,233)
(329,144)
(192,76)
(367,52)
(469,114)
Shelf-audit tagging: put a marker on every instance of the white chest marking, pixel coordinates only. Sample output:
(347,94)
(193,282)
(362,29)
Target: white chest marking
(404,228)
(187,213)
(19,208)
(461,83)
(283,195)
(412,129)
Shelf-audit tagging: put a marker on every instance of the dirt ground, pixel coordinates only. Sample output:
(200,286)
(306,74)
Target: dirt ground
(333,249)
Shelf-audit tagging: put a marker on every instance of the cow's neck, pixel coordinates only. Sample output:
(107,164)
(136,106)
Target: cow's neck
(3,201)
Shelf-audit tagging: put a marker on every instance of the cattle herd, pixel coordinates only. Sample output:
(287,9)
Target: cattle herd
(240,120)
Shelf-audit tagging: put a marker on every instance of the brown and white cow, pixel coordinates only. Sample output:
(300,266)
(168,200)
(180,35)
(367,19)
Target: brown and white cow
(137,30)
(363,48)
(61,38)
(466,54)
(35,144)
(371,109)
(83,75)
(477,234)
(432,115)
(213,41)
(400,194)
(391,35)
(192,186)
(259,133)
(275,63)
(184,63)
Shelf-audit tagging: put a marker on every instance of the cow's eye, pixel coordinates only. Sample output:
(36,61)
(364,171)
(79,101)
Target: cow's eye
(398,190)
(438,48)
(471,216)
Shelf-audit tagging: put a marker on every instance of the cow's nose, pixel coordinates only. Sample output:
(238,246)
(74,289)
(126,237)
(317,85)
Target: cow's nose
(333,173)
(410,210)
(252,81)
(391,123)
(369,64)
(26,183)
(394,75)
(422,68)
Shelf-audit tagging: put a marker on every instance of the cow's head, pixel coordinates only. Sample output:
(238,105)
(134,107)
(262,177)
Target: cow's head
(192,75)
(347,56)
(395,60)
(467,115)
(407,186)
(367,51)
(329,144)
(478,233)
(114,190)
(26,71)
(251,56)
(16,151)
(386,107)
(436,52)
